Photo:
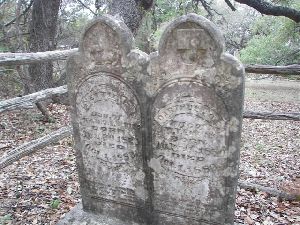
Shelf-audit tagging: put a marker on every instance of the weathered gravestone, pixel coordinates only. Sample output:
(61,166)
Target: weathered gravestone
(157,137)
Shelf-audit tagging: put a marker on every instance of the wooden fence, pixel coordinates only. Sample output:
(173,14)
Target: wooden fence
(27,58)
(28,101)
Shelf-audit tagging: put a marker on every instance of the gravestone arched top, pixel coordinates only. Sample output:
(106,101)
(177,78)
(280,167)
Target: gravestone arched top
(193,38)
(106,40)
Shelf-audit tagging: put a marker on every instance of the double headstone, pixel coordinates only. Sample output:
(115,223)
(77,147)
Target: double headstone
(157,136)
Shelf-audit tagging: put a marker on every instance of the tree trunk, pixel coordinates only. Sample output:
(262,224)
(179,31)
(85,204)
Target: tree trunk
(132,11)
(43,29)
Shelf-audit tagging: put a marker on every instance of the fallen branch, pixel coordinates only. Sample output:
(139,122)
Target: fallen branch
(271,191)
(32,146)
(28,101)
(269,69)
(272,116)
(27,58)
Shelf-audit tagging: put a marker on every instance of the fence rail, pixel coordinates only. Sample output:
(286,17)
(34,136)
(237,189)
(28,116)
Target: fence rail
(27,58)
(28,101)
(32,146)
(268,69)
(272,115)
(8,59)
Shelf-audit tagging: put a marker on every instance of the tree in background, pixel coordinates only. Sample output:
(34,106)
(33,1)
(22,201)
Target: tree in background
(31,25)
(131,11)
(43,32)
(276,41)
(269,8)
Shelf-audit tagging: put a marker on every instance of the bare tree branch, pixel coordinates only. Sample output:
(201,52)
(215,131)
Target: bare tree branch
(23,13)
(207,7)
(230,5)
(85,6)
(267,8)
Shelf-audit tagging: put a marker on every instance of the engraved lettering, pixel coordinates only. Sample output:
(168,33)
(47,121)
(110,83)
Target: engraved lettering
(108,114)
(189,142)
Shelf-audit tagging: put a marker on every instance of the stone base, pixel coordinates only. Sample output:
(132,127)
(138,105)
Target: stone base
(79,217)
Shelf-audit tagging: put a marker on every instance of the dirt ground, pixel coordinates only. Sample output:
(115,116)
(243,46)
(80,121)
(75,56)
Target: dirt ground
(273,90)
(41,188)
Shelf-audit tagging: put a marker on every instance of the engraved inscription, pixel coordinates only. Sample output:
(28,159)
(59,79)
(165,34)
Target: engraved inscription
(109,120)
(189,145)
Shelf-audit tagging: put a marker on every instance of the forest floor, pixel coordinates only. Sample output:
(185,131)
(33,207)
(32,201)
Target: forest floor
(41,188)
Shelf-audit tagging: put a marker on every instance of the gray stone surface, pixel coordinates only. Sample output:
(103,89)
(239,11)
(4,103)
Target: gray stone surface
(156,136)
(79,217)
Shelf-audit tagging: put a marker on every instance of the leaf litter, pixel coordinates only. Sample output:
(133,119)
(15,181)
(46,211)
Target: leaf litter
(41,188)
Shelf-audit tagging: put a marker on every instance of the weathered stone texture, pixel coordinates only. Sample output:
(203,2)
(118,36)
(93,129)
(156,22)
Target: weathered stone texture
(157,137)
(107,122)
(196,124)
(189,135)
